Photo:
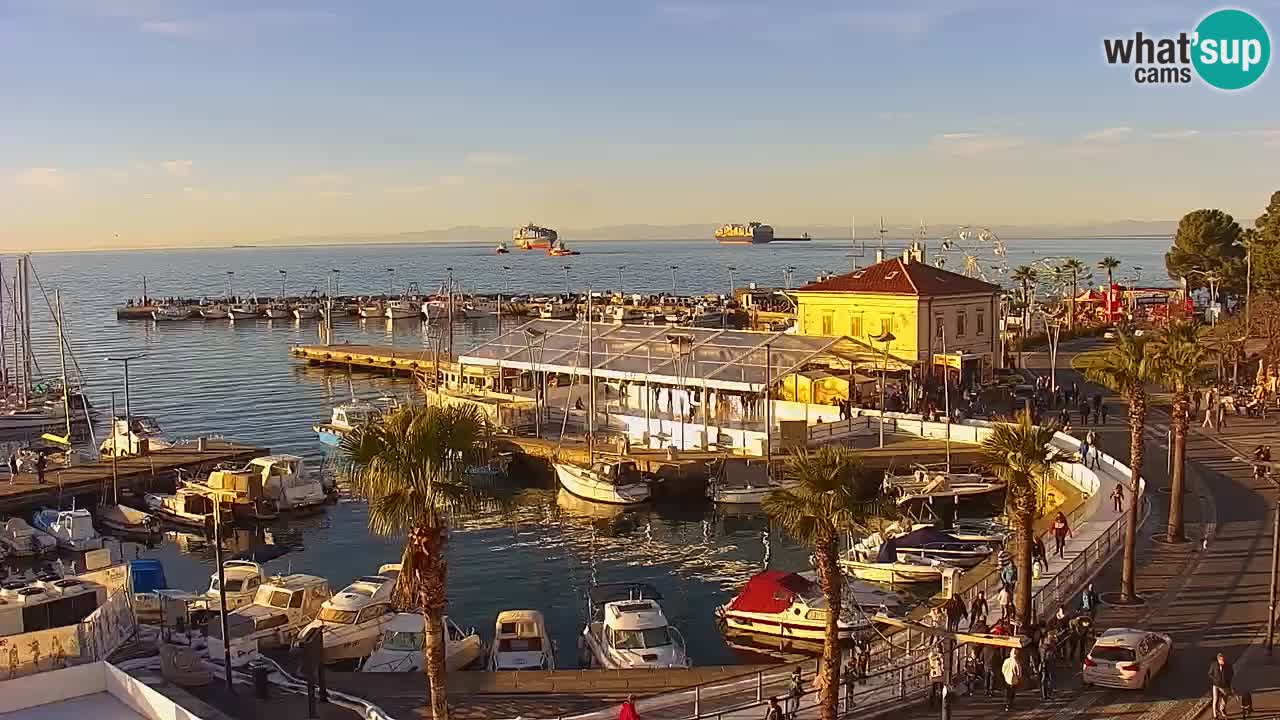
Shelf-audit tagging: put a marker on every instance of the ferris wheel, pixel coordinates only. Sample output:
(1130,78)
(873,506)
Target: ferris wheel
(974,251)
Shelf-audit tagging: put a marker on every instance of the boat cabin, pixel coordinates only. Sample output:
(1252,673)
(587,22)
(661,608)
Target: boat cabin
(618,472)
(70,527)
(352,415)
(134,436)
(285,480)
(521,642)
(282,607)
(242,580)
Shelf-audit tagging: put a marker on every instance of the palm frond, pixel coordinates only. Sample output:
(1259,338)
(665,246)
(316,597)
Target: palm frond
(822,503)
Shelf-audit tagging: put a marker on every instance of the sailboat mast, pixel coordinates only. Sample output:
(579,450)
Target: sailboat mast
(26,315)
(62,361)
(4,356)
(115,474)
(591,390)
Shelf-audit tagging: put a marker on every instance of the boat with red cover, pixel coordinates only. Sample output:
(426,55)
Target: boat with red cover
(790,605)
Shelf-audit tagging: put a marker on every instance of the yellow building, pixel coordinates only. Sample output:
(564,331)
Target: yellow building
(924,307)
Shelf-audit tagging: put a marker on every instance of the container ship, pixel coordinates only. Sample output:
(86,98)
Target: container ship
(532,237)
(752,233)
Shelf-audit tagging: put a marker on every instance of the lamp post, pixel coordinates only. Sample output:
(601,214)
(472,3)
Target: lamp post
(681,349)
(532,335)
(284,277)
(1212,278)
(231,276)
(724,311)
(565,268)
(620,269)
(673,278)
(885,337)
(124,359)
(786,275)
(506,280)
(336,275)
(391,282)
(1270,467)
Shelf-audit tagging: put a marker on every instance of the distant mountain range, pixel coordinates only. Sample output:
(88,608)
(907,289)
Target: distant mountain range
(478,233)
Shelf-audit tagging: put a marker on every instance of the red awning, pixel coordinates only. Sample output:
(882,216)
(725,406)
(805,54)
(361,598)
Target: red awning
(770,591)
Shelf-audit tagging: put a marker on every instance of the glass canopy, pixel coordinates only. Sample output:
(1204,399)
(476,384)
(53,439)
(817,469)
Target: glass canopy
(694,357)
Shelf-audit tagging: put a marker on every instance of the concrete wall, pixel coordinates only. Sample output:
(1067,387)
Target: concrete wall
(47,687)
(140,698)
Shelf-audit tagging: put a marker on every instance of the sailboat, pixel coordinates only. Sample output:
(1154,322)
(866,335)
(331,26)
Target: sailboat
(122,519)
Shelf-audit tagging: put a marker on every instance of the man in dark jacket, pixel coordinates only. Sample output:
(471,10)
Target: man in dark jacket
(991,659)
(1220,676)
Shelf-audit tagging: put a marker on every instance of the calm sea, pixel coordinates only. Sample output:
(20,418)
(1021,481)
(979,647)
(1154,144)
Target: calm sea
(238,381)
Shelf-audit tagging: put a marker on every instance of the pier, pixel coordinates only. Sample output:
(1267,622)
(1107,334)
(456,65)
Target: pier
(378,358)
(144,473)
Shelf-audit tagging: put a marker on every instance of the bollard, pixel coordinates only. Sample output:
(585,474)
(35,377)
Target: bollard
(759,686)
(697,700)
(902,683)
(201,444)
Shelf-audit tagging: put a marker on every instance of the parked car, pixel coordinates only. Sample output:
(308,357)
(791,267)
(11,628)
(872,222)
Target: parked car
(1126,658)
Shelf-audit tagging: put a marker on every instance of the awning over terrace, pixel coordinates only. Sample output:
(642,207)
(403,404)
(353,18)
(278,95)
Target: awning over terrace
(692,357)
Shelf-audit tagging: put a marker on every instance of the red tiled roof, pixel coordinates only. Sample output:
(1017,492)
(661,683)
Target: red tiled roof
(895,277)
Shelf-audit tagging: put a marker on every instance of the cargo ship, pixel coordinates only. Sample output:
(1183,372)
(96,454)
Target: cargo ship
(532,237)
(752,233)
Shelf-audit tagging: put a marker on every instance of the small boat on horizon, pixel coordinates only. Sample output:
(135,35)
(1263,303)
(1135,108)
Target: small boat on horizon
(501,249)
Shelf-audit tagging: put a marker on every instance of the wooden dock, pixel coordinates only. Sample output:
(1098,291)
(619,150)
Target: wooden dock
(378,358)
(154,471)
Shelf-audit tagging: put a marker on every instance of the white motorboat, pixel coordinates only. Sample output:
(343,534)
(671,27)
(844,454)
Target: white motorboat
(629,630)
(345,418)
(557,311)
(73,529)
(278,311)
(280,609)
(307,311)
(165,313)
(135,436)
(874,560)
(923,484)
(214,312)
(242,312)
(470,312)
(285,480)
(372,309)
(400,649)
(617,482)
(741,481)
(22,540)
(402,310)
(521,642)
(186,506)
(622,314)
(791,606)
(242,580)
(352,620)
(927,542)
(127,521)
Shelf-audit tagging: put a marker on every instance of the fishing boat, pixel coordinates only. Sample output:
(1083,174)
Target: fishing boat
(559,249)
(130,437)
(402,310)
(556,311)
(345,418)
(401,647)
(242,312)
(790,605)
(923,484)
(521,642)
(72,529)
(214,312)
(22,540)
(186,506)
(616,482)
(353,619)
(741,481)
(165,313)
(286,481)
(278,310)
(622,314)
(124,520)
(469,311)
(307,311)
(371,309)
(629,630)
(282,606)
(242,580)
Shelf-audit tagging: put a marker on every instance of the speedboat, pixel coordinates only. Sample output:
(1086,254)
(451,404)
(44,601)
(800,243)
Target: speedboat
(134,436)
(242,312)
(278,311)
(930,543)
(186,506)
(521,642)
(743,481)
(791,606)
(125,520)
(345,418)
(165,313)
(286,481)
(280,609)
(400,649)
(876,560)
(629,630)
(307,311)
(22,540)
(72,529)
(214,312)
(352,620)
(616,482)
(402,310)
(242,580)
(372,309)
(923,484)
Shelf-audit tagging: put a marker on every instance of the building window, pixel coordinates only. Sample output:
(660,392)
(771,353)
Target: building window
(828,320)
(886,325)
(855,326)
(982,323)
(939,325)
(960,323)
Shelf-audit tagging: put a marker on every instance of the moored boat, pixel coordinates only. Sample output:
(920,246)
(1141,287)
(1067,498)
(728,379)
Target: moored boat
(242,312)
(278,310)
(402,310)
(242,580)
(129,521)
(741,481)
(629,630)
(790,605)
(214,312)
(343,419)
(22,540)
(400,649)
(352,620)
(307,311)
(282,606)
(185,506)
(616,482)
(166,313)
(371,309)
(133,436)
(72,529)
(521,642)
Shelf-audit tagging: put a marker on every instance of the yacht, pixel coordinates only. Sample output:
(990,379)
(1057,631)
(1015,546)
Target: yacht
(400,649)
(187,507)
(124,520)
(521,642)
(22,540)
(73,529)
(286,481)
(371,309)
(307,311)
(789,605)
(165,313)
(352,620)
(282,606)
(741,481)
(617,482)
(242,579)
(242,312)
(214,312)
(629,630)
(345,418)
(134,436)
(402,310)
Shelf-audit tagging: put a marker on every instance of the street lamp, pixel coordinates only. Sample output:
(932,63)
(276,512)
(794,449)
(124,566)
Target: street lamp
(1270,467)
(885,337)
(125,360)
(673,278)
(506,280)
(724,311)
(284,276)
(532,336)
(565,268)
(1212,278)
(681,350)
(786,275)
(391,279)
(231,276)
(620,269)
(336,274)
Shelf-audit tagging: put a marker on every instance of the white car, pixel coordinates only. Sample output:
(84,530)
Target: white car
(1126,658)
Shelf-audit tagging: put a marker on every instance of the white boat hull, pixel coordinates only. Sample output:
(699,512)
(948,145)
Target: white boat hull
(892,573)
(457,656)
(586,485)
(401,313)
(277,313)
(38,418)
(306,313)
(214,314)
(241,315)
(602,658)
(781,625)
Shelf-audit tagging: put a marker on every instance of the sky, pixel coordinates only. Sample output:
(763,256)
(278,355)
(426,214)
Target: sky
(135,123)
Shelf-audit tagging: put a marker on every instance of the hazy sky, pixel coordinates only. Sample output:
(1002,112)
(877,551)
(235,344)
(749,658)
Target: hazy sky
(183,122)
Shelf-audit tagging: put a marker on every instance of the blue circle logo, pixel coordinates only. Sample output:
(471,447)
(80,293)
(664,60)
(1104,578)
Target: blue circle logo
(1232,49)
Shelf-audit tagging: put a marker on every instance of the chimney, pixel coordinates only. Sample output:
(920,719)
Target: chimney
(880,255)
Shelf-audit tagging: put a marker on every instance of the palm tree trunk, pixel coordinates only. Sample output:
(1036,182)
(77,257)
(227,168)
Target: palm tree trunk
(1026,521)
(422,577)
(830,582)
(1177,473)
(1137,425)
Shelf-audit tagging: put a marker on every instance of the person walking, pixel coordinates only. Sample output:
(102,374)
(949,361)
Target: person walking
(1221,674)
(796,692)
(1038,551)
(628,709)
(935,677)
(1008,574)
(1048,656)
(850,679)
(13,467)
(1117,498)
(990,668)
(41,463)
(1061,531)
(1089,601)
(1084,453)
(1005,598)
(978,610)
(1102,413)
(775,710)
(1012,673)
(1222,416)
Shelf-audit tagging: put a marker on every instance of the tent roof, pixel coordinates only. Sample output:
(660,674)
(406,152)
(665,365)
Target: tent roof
(723,359)
(771,591)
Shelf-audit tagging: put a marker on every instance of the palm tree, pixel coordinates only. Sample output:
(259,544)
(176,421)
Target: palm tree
(1022,456)
(822,505)
(1073,268)
(410,467)
(1127,368)
(1108,265)
(1179,355)
(1025,275)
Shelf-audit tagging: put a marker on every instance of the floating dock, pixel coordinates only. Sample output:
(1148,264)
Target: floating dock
(154,471)
(378,358)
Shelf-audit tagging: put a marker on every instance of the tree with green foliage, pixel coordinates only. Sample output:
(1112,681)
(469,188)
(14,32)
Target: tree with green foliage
(1263,243)
(1071,273)
(1108,265)
(1207,241)
(1180,353)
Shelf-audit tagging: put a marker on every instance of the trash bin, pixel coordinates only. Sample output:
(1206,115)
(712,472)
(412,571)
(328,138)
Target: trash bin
(260,682)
